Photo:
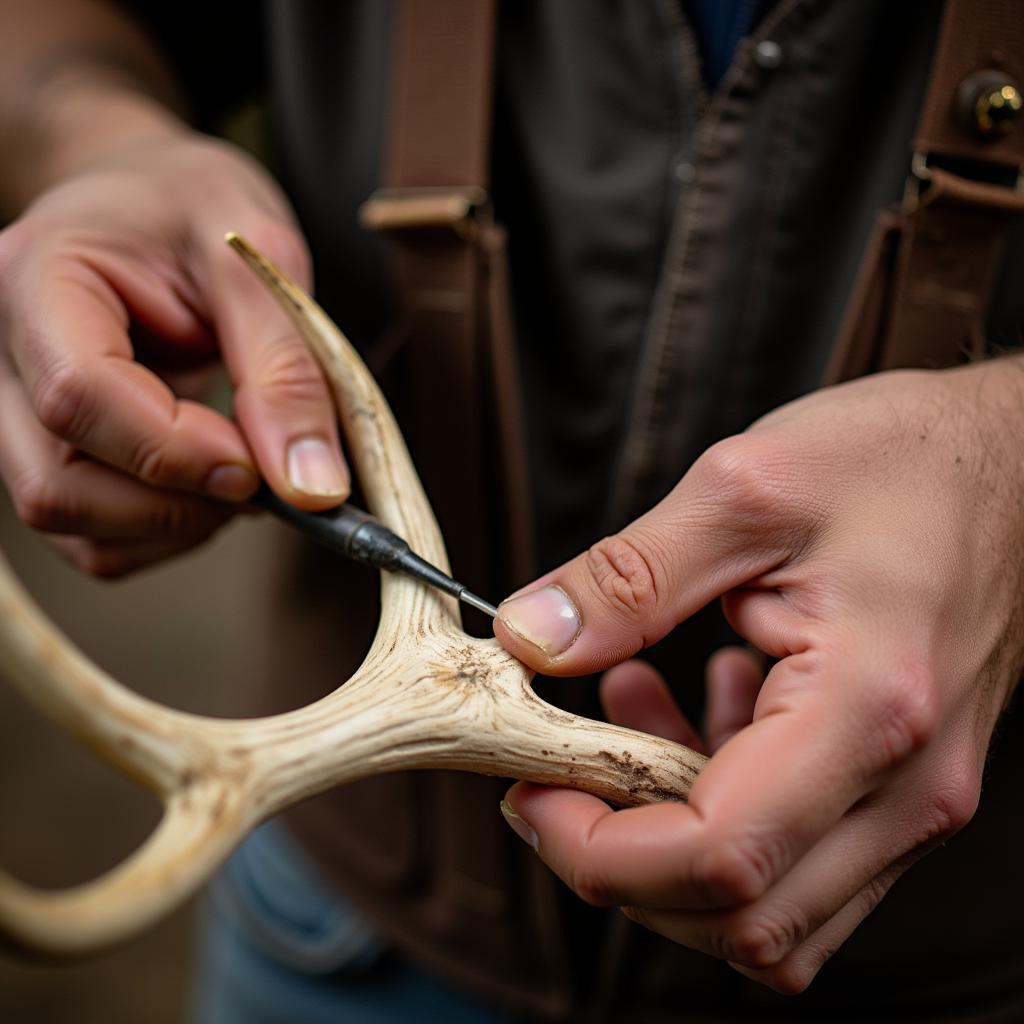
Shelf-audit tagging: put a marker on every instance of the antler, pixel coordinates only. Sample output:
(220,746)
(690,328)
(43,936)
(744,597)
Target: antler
(427,696)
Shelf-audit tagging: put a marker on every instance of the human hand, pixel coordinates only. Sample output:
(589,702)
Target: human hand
(869,538)
(115,288)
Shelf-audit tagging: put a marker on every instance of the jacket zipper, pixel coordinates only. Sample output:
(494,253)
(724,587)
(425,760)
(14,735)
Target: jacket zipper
(635,450)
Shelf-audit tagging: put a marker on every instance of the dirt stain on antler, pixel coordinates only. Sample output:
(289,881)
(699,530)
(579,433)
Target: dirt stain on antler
(640,778)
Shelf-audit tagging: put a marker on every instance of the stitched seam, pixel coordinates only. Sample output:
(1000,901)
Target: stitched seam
(655,361)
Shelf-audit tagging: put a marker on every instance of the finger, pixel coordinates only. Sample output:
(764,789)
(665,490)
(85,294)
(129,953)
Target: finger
(69,340)
(923,808)
(753,950)
(826,883)
(57,494)
(635,695)
(794,973)
(723,525)
(758,806)
(766,617)
(195,385)
(733,680)
(281,398)
(114,559)
(864,847)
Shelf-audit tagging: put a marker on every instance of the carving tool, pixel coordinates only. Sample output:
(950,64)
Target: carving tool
(359,536)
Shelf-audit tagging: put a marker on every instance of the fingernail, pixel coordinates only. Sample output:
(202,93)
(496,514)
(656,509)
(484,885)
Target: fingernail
(232,482)
(313,468)
(519,825)
(545,618)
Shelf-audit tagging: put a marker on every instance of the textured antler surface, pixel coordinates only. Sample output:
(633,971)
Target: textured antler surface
(427,696)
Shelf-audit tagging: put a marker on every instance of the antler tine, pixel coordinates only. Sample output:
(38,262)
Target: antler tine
(144,739)
(201,825)
(375,444)
(386,473)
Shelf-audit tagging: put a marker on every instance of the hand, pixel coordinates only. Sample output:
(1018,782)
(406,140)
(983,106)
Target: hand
(115,288)
(868,537)
(634,694)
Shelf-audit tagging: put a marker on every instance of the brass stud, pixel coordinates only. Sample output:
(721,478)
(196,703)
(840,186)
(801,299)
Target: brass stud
(990,103)
(996,110)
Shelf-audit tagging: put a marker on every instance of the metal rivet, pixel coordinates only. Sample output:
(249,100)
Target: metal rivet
(996,110)
(768,54)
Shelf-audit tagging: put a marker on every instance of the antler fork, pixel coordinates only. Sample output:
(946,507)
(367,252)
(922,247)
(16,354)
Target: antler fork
(426,696)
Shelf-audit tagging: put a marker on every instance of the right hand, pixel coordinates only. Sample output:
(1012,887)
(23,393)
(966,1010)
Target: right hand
(115,288)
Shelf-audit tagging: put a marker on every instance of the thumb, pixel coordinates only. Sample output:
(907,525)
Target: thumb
(720,527)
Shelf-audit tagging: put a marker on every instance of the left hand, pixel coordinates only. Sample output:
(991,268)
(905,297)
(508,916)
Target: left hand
(869,537)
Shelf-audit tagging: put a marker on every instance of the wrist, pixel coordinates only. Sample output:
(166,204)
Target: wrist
(76,119)
(992,393)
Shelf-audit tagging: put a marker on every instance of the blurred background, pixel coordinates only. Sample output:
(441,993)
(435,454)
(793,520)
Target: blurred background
(178,634)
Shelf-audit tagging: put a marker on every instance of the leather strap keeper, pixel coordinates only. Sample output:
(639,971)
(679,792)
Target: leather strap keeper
(449,268)
(398,209)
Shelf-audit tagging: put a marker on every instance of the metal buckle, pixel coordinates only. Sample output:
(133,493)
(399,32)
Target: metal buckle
(460,209)
(917,180)
(921,175)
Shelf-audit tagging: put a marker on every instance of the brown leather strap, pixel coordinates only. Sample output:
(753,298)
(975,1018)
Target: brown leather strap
(858,347)
(976,36)
(949,255)
(441,94)
(459,394)
(923,289)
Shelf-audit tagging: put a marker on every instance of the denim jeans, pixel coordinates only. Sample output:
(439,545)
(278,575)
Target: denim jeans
(277,946)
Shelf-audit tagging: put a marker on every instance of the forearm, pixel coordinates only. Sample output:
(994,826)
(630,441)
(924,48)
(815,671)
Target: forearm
(77,78)
(992,400)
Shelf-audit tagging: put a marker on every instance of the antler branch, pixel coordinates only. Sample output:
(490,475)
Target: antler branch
(427,696)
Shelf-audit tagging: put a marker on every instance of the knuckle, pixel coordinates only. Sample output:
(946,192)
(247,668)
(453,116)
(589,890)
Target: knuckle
(737,872)
(63,401)
(764,498)
(175,518)
(95,560)
(33,500)
(764,938)
(908,712)
(40,504)
(110,567)
(625,574)
(105,567)
(876,890)
(591,888)
(289,374)
(151,463)
(791,978)
(738,473)
(951,806)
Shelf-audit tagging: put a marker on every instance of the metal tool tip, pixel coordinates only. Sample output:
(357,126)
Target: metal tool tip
(479,603)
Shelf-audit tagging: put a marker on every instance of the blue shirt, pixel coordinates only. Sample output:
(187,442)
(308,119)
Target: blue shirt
(719,26)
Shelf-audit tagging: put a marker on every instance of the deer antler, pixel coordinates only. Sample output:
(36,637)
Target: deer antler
(427,696)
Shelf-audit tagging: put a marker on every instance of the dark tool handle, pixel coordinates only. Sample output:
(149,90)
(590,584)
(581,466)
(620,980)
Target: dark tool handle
(359,536)
(336,528)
